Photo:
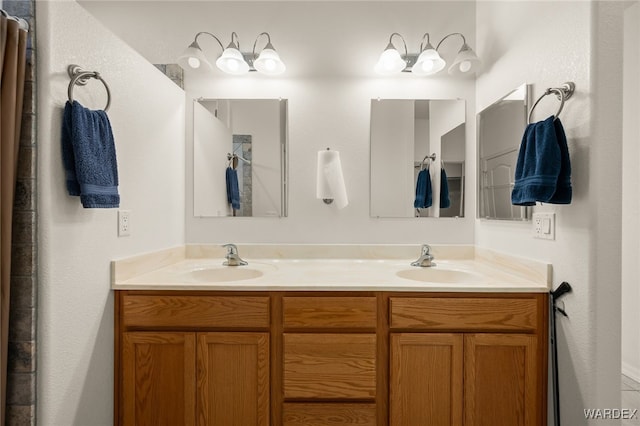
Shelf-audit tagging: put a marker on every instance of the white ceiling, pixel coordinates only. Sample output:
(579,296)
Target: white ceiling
(314,38)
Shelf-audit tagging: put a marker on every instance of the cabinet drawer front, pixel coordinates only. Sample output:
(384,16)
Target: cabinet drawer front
(465,314)
(328,414)
(330,366)
(195,311)
(329,312)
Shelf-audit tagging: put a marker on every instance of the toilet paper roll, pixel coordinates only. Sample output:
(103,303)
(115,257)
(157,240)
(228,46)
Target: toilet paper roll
(330,181)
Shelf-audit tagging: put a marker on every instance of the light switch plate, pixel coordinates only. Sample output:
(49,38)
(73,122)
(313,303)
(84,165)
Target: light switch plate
(544,226)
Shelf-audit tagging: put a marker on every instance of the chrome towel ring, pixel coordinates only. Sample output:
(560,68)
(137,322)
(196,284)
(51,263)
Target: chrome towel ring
(80,77)
(563,93)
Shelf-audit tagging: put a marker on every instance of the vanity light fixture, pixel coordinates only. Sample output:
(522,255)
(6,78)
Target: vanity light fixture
(428,60)
(232,60)
(268,62)
(391,62)
(466,61)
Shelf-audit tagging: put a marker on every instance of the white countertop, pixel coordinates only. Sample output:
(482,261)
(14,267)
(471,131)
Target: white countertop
(272,268)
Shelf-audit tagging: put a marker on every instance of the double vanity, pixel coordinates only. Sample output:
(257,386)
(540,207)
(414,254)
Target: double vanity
(330,334)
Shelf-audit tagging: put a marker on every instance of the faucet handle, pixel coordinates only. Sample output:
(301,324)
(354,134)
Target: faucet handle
(425,259)
(231,248)
(232,256)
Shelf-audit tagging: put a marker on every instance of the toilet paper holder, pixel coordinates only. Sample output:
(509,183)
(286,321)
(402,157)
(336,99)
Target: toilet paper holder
(330,180)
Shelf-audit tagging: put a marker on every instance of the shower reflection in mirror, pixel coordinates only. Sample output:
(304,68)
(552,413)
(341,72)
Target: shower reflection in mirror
(239,155)
(500,127)
(417,158)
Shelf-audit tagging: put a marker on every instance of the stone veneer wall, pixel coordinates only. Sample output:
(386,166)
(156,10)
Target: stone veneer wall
(21,381)
(243,142)
(174,72)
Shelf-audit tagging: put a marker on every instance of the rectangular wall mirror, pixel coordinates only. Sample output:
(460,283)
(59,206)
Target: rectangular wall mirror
(500,129)
(410,137)
(239,157)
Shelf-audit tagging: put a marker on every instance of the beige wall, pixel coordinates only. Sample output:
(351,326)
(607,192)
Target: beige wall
(75,306)
(531,42)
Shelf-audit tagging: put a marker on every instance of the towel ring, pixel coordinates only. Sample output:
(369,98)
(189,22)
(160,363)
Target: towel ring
(431,157)
(80,77)
(562,93)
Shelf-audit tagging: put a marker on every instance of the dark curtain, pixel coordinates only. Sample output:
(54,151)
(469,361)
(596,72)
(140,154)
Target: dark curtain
(13,48)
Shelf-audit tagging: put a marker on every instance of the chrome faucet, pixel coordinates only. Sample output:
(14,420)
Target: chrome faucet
(426,259)
(232,256)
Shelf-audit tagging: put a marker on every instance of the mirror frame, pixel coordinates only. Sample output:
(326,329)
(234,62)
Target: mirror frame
(526,212)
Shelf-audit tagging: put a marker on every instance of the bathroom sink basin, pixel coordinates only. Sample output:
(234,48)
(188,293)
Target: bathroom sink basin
(437,275)
(231,273)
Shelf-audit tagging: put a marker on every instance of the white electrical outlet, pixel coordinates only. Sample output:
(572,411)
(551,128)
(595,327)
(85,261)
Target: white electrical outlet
(124,223)
(544,226)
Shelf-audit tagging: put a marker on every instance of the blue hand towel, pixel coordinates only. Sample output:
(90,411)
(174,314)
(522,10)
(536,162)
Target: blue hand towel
(68,159)
(89,157)
(563,188)
(423,190)
(445,203)
(233,193)
(543,170)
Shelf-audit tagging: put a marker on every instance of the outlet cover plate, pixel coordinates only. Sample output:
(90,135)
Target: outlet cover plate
(544,226)
(124,223)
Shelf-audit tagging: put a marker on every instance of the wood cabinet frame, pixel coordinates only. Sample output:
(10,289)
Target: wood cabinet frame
(348,320)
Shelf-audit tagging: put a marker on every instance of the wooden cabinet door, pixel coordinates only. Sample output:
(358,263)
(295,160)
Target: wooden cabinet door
(426,379)
(233,379)
(159,382)
(501,381)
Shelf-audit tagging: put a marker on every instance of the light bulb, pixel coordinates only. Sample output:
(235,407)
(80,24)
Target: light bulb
(193,59)
(193,62)
(232,62)
(429,62)
(390,62)
(465,62)
(270,64)
(465,66)
(389,59)
(427,65)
